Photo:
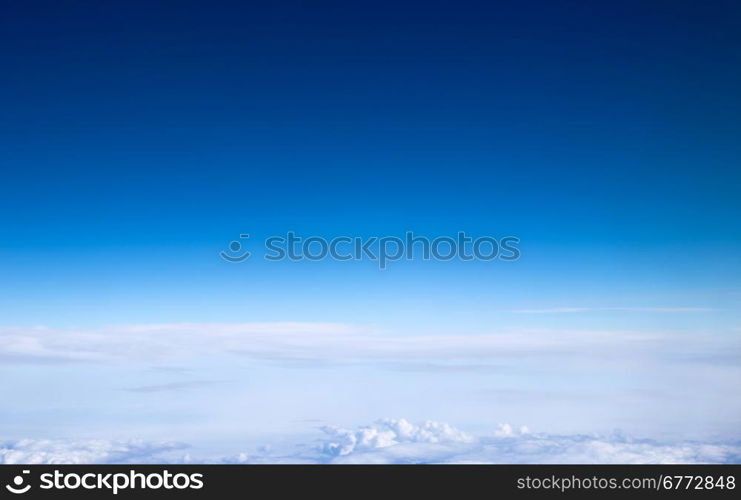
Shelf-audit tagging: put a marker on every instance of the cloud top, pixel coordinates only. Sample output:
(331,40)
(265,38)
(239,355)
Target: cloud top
(393,441)
(99,451)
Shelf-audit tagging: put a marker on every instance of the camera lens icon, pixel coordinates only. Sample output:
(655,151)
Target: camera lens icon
(17,486)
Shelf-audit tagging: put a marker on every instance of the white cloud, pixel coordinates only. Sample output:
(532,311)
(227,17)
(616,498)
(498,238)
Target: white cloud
(388,433)
(398,441)
(308,343)
(392,441)
(46,451)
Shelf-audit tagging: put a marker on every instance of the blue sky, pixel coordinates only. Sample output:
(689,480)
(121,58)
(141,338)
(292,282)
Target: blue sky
(140,139)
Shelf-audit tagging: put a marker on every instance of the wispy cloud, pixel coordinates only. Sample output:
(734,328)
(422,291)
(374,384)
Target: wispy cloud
(567,310)
(174,386)
(320,344)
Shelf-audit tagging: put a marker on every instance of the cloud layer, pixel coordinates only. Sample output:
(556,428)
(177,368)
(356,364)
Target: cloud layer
(398,441)
(47,451)
(340,343)
(393,441)
(640,380)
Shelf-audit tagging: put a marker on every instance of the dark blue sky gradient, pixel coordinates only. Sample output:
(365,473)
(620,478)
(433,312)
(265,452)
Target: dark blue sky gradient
(143,129)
